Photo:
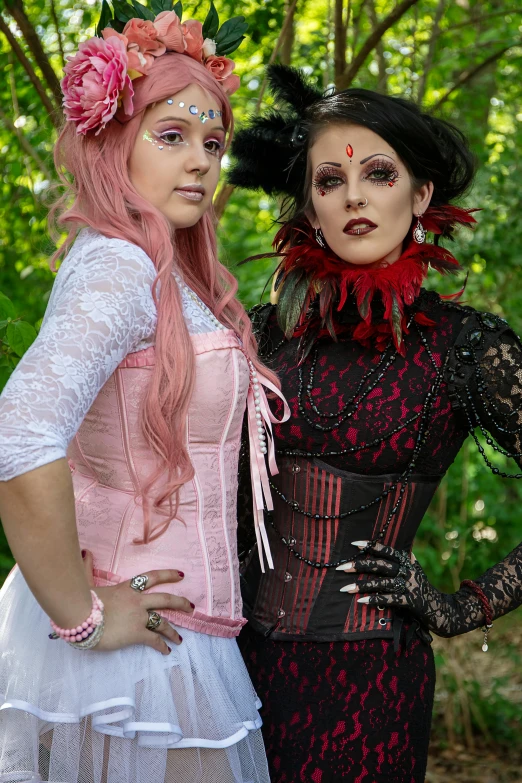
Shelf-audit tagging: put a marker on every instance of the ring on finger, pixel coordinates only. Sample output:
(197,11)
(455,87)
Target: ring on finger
(139,582)
(154,621)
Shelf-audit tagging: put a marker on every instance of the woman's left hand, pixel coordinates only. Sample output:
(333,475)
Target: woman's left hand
(399,580)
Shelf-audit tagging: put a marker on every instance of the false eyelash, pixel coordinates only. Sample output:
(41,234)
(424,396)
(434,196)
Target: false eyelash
(382,165)
(322,177)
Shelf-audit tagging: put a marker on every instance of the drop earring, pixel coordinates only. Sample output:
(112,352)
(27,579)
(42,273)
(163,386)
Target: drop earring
(419,233)
(319,238)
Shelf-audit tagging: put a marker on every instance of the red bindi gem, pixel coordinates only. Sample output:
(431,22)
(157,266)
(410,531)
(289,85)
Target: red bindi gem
(349,150)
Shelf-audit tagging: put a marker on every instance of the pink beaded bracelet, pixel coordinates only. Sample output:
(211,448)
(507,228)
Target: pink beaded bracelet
(83,631)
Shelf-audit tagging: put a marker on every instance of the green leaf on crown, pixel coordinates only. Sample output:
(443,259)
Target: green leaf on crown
(158,6)
(105,18)
(142,12)
(123,12)
(228,48)
(211,23)
(178,9)
(231,30)
(20,335)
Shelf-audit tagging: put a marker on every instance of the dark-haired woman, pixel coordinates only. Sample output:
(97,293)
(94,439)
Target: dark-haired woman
(385,381)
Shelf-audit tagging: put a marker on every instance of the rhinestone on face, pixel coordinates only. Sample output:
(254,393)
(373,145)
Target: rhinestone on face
(170,101)
(193,109)
(181,104)
(211,113)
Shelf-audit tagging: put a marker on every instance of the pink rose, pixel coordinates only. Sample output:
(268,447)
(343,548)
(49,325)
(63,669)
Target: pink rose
(137,65)
(193,34)
(143,39)
(168,28)
(221,69)
(96,81)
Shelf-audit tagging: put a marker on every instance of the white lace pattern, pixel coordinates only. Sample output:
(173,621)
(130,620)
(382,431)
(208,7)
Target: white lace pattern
(101,309)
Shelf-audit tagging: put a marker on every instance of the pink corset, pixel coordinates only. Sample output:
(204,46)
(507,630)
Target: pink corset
(110,459)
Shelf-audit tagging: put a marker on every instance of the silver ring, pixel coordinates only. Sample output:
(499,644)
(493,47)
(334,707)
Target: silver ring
(139,582)
(361,205)
(154,621)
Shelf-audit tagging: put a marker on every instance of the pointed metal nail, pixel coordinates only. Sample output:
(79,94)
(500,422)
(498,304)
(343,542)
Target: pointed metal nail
(364,600)
(360,544)
(349,589)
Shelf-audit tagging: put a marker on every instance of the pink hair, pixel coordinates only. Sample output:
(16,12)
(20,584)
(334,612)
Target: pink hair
(100,194)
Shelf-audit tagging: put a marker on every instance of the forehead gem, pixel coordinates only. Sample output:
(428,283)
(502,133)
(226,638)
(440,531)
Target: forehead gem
(181,104)
(193,109)
(349,151)
(203,117)
(211,113)
(170,101)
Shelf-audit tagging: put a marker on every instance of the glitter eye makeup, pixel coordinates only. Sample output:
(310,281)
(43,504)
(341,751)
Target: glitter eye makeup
(382,172)
(160,140)
(327,179)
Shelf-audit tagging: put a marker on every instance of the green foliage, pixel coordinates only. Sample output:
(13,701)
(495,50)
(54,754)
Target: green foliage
(15,338)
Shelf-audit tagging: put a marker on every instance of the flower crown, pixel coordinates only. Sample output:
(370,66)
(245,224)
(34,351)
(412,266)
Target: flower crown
(98,78)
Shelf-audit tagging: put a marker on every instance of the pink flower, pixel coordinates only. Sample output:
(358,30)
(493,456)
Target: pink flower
(143,40)
(137,65)
(193,34)
(221,69)
(168,28)
(96,81)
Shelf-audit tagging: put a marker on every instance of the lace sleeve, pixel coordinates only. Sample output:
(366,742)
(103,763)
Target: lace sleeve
(101,308)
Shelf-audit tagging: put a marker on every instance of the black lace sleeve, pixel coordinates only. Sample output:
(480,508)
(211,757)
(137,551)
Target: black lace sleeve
(486,388)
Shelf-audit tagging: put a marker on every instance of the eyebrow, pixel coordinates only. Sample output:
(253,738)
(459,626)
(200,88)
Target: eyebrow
(330,163)
(375,154)
(187,122)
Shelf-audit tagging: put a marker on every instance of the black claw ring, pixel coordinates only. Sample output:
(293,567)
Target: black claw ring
(399,585)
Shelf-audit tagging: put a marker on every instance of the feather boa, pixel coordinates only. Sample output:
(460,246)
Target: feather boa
(316,284)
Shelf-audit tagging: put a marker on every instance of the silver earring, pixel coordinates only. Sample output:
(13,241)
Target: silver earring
(319,238)
(419,233)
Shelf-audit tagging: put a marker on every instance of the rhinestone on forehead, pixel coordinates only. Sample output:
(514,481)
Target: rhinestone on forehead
(170,101)
(203,117)
(193,109)
(211,113)
(181,104)
(349,151)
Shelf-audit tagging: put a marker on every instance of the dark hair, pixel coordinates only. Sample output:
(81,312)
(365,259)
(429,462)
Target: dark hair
(271,152)
(431,149)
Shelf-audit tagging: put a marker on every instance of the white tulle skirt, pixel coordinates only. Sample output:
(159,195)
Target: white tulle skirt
(130,716)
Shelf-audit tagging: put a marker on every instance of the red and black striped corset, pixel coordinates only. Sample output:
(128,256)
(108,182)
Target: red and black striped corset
(312,505)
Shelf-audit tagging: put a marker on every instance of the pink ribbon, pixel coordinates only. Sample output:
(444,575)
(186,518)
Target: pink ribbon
(258,469)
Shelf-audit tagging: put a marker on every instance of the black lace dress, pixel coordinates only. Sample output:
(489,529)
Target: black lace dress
(358,706)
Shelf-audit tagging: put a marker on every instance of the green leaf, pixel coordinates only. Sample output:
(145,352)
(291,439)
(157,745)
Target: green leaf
(158,6)
(4,361)
(178,9)
(223,49)
(105,17)
(142,12)
(231,30)
(4,376)
(6,308)
(211,23)
(20,335)
(123,12)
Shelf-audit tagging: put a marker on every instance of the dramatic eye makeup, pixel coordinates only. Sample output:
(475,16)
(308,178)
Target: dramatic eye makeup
(173,137)
(327,178)
(382,171)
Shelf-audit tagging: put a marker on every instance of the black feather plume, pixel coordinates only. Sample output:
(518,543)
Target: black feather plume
(290,86)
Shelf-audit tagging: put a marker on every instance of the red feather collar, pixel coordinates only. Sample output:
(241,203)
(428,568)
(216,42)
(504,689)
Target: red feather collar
(395,286)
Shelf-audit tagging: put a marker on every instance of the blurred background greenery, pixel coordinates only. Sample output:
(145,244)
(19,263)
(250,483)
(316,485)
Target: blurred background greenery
(460,59)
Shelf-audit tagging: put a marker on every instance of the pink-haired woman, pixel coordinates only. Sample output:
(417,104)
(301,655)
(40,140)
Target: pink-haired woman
(119,441)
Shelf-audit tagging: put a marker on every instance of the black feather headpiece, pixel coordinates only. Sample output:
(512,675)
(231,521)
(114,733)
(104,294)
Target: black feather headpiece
(269,151)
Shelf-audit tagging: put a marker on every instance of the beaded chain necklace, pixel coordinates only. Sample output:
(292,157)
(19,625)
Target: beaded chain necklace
(402,481)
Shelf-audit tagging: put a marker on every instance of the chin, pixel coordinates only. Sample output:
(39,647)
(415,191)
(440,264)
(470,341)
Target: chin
(186,219)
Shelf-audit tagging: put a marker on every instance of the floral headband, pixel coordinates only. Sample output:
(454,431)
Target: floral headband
(98,78)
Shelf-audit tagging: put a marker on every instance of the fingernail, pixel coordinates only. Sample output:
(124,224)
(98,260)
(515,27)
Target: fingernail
(346,567)
(181,574)
(349,589)
(180,639)
(168,648)
(84,552)
(364,600)
(360,544)
(193,606)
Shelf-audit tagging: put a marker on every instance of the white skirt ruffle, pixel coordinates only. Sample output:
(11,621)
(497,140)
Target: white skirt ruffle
(129,716)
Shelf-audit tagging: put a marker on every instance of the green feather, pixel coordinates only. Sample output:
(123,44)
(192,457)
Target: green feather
(364,307)
(291,301)
(396,320)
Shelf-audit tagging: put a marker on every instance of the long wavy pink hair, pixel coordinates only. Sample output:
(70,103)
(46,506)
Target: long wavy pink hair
(99,194)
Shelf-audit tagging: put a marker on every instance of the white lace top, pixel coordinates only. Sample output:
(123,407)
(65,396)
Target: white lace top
(101,309)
